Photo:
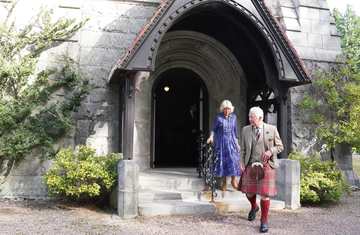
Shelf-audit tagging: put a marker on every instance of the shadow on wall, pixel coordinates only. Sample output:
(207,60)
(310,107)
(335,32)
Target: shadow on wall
(103,40)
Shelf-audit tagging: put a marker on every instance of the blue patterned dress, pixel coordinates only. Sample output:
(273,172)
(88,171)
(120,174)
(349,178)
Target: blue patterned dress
(226,145)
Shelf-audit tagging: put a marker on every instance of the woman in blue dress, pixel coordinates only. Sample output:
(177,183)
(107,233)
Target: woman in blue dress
(226,144)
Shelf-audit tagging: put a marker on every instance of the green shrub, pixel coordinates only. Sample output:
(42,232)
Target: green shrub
(319,180)
(82,175)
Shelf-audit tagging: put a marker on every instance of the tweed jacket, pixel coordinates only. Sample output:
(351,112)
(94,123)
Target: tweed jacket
(272,141)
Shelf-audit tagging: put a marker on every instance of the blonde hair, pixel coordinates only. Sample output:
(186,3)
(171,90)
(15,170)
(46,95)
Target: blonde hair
(226,103)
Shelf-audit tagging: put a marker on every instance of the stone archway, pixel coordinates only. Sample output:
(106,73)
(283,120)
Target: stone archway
(213,62)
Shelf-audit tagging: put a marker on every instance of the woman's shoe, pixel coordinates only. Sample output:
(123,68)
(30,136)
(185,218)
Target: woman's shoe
(223,188)
(234,185)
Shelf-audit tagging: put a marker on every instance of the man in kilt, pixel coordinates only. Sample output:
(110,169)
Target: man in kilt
(260,143)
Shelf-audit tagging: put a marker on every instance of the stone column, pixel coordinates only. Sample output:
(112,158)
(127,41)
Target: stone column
(288,183)
(128,194)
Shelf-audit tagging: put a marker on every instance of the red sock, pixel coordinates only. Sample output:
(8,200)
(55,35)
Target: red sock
(265,205)
(252,200)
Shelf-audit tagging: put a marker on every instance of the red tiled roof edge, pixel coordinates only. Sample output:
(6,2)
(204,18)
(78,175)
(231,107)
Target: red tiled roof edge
(156,13)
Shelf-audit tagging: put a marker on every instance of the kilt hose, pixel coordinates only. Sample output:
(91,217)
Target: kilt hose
(264,187)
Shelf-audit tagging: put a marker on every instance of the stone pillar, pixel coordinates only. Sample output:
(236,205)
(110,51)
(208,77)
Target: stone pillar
(128,194)
(288,183)
(343,156)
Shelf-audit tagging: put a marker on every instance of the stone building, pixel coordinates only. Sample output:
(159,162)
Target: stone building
(252,52)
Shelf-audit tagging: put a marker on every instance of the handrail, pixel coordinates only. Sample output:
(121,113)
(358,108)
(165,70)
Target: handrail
(207,162)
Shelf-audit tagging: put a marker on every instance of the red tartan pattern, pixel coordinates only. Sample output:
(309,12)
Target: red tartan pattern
(264,187)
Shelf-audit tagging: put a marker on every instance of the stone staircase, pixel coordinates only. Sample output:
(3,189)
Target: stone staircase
(179,191)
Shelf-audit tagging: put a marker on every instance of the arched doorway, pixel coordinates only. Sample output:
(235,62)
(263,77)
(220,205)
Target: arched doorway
(236,47)
(175,130)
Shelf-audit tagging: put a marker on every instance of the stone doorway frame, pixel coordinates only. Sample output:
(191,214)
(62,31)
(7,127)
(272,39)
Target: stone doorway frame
(288,70)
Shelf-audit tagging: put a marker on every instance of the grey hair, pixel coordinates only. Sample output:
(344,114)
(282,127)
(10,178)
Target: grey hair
(258,112)
(226,103)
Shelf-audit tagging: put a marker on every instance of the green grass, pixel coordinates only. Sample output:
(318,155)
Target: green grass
(356,166)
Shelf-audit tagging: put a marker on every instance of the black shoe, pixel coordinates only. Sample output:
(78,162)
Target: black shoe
(252,213)
(264,227)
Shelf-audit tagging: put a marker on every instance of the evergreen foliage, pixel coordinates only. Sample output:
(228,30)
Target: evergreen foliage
(82,175)
(28,119)
(334,97)
(319,180)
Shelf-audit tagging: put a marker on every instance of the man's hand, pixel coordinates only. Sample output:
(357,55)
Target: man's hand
(242,166)
(266,155)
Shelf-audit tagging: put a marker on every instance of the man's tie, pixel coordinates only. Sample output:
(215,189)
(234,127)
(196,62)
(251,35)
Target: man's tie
(258,133)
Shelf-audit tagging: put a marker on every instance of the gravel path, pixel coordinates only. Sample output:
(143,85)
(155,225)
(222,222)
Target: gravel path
(61,217)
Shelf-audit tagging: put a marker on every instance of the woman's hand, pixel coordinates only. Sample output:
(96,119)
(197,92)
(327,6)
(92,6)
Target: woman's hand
(210,139)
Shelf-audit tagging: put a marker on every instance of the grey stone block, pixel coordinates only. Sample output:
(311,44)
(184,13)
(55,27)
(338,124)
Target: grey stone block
(288,183)
(320,27)
(325,15)
(136,25)
(351,178)
(312,3)
(140,12)
(142,136)
(98,95)
(94,39)
(298,39)
(306,53)
(292,24)
(128,196)
(286,3)
(118,25)
(327,55)
(309,13)
(120,40)
(30,187)
(335,31)
(89,111)
(315,41)
(289,12)
(305,25)
(331,43)
(99,57)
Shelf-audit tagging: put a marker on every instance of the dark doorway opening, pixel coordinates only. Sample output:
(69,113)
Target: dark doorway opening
(175,141)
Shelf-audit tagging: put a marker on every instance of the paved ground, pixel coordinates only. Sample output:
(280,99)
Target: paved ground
(61,217)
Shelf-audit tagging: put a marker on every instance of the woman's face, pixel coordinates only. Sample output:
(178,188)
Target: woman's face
(226,111)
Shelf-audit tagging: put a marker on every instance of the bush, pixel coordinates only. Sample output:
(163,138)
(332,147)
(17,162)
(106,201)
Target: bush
(319,180)
(82,175)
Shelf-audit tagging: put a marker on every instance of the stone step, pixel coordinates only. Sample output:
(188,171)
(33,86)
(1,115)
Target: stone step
(172,191)
(174,179)
(191,194)
(190,207)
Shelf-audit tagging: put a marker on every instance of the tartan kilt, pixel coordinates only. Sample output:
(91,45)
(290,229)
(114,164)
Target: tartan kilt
(264,187)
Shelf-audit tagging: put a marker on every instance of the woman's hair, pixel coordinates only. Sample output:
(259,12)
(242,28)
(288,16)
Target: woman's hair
(226,103)
(258,111)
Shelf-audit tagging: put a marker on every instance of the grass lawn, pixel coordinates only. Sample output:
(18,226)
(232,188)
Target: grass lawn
(356,166)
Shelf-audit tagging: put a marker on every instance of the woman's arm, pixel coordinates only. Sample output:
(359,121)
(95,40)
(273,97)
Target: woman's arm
(213,130)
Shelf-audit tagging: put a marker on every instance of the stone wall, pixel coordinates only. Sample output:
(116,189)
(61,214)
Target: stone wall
(112,27)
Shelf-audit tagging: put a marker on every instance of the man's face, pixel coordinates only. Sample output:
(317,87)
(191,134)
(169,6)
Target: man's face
(254,120)
(193,107)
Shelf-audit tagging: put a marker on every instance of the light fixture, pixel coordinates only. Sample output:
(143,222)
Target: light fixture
(166,88)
